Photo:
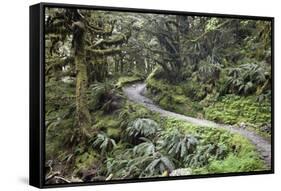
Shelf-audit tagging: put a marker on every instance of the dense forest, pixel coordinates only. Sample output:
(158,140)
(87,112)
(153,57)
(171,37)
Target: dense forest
(138,95)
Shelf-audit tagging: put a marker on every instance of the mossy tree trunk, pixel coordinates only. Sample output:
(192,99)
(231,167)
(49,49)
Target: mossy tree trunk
(83,118)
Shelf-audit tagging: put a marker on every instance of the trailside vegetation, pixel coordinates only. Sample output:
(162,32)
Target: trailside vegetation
(203,67)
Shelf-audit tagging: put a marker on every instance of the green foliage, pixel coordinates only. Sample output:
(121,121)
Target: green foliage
(120,164)
(179,144)
(114,132)
(104,97)
(233,109)
(236,164)
(60,112)
(158,166)
(153,162)
(216,146)
(104,122)
(243,158)
(58,137)
(143,160)
(213,66)
(247,79)
(209,69)
(131,112)
(142,128)
(201,157)
(85,160)
(172,97)
(103,142)
(125,80)
(211,24)
(145,148)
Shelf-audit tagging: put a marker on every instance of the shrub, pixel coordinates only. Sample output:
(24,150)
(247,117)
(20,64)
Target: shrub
(179,144)
(104,143)
(142,127)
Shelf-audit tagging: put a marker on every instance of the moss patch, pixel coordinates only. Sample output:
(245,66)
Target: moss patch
(125,80)
(85,160)
(236,109)
(233,109)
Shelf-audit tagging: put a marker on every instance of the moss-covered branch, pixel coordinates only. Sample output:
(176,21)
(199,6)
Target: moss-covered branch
(57,63)
(106,52)
(115,40)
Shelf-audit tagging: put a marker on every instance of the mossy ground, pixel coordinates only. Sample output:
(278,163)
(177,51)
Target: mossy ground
(231,109)
(242,155)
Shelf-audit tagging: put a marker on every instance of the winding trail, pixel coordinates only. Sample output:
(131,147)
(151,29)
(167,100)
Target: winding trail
(135,93)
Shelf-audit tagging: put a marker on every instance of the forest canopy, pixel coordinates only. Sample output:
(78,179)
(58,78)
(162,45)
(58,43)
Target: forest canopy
(135,95)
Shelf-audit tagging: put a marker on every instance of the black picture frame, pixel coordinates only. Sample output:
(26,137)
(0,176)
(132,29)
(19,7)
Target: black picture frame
(37,93)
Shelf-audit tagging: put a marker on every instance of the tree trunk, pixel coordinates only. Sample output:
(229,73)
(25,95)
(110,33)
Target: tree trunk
(116,64)
(140,65)
(83,118)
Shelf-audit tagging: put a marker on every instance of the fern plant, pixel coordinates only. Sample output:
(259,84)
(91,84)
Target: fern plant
(246,79)
(119,164)
(158,166)
(200,157)
(204,154)
(145,161)
(179,144)
(104,97)
(145,148)
(104,143)
(209,69)
(142,127)
(152,160)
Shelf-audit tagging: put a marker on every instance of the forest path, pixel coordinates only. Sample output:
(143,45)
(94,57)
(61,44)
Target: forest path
(135,93)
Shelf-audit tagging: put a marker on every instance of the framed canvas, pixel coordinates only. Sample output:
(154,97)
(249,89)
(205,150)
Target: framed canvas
(123,95)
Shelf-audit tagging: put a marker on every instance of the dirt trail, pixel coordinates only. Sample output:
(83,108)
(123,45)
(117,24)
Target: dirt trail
(136,91)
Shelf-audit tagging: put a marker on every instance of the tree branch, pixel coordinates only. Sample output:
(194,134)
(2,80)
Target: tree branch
(206,32)
(117,39)
(106,52)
